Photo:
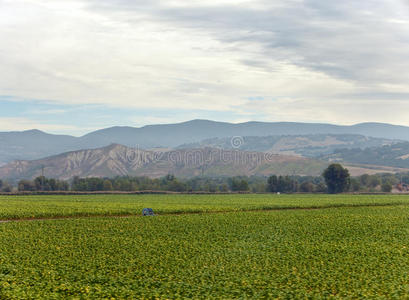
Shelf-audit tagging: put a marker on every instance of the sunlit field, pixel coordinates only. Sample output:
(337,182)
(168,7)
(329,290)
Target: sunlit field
(231,247)
(22,207)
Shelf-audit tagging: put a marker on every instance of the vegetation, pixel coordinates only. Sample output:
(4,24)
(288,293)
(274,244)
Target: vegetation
(43,184)
(394,155)
(337,179)
(294,254)
(239,185)
(310,145)
(256,184)
(5,187)
(50,206)
(284,184)
(386,187)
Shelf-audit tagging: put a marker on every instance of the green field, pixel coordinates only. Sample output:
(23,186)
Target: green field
(360,250)
(20,207)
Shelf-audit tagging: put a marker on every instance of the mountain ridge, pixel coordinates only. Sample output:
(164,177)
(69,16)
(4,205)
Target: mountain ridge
(35,144)
(118,160)
(303,145)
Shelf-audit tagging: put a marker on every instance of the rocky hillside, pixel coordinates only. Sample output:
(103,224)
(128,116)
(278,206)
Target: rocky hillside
(34,144)
(118,160)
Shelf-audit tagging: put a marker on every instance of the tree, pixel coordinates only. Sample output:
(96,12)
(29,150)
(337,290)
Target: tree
(62,185)
(259,187)
(374,181)
(355,185)
(6,188)
(364,179)
(176,186)
(272,184)
(224,188)
(386,187)
(320,188)
(40,183)
(337,178)
(282,184)
(286,185)
(307,187)
(107,185)
(239,185)
(26,185)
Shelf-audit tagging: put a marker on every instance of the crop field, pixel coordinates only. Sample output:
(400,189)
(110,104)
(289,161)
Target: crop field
(357,247)
(26,207)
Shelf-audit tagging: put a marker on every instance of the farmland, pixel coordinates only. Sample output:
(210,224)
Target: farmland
(26,207)
(348,250)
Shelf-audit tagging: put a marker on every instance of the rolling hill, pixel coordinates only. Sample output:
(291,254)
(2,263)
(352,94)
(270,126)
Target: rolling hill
(301,145)
(119,160)
(34,144)
(395,155)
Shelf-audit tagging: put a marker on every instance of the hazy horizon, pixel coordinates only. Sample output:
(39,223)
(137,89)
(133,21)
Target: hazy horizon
(55,132)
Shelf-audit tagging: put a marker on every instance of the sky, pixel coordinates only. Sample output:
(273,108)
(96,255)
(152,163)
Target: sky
(74,66)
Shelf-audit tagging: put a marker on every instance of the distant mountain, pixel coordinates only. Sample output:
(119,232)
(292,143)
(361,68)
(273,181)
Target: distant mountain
(302,145)
(396,155)
(118,160)
(35,144)
(197,130)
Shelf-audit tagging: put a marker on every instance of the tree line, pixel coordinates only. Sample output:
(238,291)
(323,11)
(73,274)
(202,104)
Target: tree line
(335,179)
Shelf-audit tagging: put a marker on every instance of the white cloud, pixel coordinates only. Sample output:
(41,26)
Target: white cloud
(310,60)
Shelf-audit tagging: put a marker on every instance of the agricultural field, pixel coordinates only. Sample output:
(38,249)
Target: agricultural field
(349,247)
(49,206)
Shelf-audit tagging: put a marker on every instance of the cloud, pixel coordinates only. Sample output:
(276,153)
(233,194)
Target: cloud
(307,58)
(347,39)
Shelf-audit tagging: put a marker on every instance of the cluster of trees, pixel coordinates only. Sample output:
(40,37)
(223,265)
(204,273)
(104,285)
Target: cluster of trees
(338,180)
(335,179)
(377,182)
(284,184)
(42,183)
(287,184)
(5,187)
(167,183)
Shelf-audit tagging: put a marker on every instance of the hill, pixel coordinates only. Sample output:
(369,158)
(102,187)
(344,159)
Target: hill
(302,145)
(34,144)
(118,160)
(395,155)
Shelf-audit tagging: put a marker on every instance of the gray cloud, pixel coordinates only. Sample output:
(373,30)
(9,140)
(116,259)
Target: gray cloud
(353,40)
(308,60)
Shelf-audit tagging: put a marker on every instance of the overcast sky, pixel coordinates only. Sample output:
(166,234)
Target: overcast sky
(72,66)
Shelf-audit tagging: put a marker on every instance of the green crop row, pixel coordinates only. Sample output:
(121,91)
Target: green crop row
(18,207)
(293,254)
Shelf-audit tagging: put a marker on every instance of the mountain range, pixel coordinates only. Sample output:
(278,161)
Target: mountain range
(206,148)
(35,144)
(315,145)
(393,155)
(118,160)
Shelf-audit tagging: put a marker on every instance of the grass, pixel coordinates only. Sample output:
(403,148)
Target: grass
(25,207)
(349,252)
